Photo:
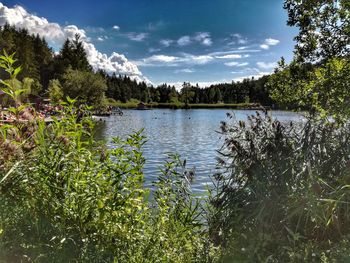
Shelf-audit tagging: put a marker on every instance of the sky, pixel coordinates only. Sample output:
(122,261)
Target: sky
(165,41)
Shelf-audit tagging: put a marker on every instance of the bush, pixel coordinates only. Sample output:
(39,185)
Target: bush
(68,198)
(282,191)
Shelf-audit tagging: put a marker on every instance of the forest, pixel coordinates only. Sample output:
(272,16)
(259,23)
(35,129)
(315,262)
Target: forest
(50,75)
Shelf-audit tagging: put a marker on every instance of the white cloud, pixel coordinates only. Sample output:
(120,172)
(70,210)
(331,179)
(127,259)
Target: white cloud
(248,73)
(200,37)
(94,29)
(202,59)
(171,61)
(264,65)
(56,35)
(230,56)
(234,51)
(236,64)
(269,42)
(185,70)
(166,42)
(184,41)
(162,58)
(207,42)
(203,38)
(237,39)
(101,39)
(139,37)
(115,27)
(153,50)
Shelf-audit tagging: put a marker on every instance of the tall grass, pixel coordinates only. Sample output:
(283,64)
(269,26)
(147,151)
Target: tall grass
(282,192)
(68,198)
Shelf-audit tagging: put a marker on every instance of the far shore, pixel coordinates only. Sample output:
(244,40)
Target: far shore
(239,106)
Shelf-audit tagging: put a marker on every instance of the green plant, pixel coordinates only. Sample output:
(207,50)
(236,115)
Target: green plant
(68,198)
(282,191)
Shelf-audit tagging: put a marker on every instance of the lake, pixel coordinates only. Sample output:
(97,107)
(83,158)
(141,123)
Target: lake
(190,133)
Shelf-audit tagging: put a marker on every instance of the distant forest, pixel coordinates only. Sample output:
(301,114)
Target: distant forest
(45,68)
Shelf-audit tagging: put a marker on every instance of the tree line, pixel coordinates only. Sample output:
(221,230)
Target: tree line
(69,73)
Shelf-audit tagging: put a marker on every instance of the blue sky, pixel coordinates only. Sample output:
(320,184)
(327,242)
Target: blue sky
(171,41)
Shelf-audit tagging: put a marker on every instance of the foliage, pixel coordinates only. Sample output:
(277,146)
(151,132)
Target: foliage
(124,89)
(70,199)
(324,28)
(318,77)
(72,56)
(186,93)
(32,52)
(55,91)
(322,89)
(87,87)
(282,192)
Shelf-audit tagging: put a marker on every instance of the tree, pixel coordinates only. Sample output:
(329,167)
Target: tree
(87,87)
(186,93)
(173,96)
(79,60)
(72,55)
(318,77)
(324,28)
(55,91)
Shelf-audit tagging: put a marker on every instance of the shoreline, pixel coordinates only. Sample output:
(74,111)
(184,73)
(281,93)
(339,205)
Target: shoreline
(240,106)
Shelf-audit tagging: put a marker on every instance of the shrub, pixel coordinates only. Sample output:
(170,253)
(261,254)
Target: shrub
(282,191)
(70,199)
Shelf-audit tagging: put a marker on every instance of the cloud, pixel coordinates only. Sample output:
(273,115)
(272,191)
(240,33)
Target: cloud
(162,58)
(172,61)
(200,37)
(269,42)
(248,73)
(185,59)
(234,51)
(101,39)
(56,35)
(236,64)
(264,46)
(185,70)
(92,29)
(138,37)
(202,59)
(203,38)
(166,42)
(184,41)
(115,27)
(237,39)
(230,56)
(207,42)
(153,50)
(264,65)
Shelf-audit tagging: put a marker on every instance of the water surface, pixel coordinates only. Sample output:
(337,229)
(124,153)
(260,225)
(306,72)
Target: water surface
(190,133)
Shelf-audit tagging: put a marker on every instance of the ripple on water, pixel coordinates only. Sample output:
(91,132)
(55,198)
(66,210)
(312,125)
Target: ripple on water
(189,133)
